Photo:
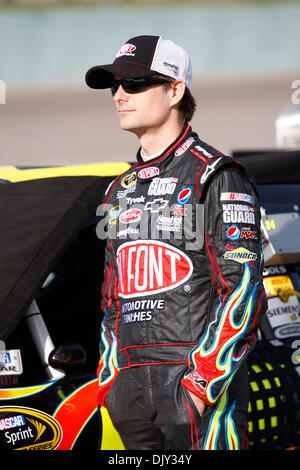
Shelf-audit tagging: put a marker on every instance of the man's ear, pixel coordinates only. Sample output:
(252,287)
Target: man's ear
(177,90)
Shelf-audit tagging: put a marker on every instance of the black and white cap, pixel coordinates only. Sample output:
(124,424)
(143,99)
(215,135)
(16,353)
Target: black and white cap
(142,56)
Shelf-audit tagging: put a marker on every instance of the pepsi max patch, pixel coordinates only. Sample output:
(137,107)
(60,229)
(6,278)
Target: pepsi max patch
(239,232)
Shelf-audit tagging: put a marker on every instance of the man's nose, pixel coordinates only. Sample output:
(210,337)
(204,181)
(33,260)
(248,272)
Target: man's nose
(120,94)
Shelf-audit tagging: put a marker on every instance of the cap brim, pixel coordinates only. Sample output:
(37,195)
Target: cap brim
(102,76)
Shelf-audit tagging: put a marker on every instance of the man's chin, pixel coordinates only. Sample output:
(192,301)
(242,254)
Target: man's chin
(129,128)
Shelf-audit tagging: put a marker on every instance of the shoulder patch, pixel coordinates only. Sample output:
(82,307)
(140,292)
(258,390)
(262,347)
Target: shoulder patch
(183,147)
(203,151)
(209,168)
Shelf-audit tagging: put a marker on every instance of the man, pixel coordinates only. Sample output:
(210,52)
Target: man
(183,291)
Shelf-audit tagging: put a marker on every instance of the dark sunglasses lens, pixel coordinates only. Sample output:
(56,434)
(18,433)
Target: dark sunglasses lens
(129,85)
(114,88)
(134,86)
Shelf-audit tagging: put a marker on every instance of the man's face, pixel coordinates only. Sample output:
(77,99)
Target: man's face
(140,112)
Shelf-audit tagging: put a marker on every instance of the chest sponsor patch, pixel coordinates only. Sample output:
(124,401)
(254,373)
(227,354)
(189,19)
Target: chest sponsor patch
(156,205)
(172,223)
(131,216)
(146,267)
(150,172)
(238,213)
(184,195)
(114,215)
(129,180)
(135,200)
(162,186)
(240,255)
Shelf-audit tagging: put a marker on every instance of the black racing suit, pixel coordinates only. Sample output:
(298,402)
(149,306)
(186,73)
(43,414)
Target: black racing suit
(182,298)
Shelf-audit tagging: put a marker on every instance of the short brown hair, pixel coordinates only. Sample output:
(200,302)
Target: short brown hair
(187,105)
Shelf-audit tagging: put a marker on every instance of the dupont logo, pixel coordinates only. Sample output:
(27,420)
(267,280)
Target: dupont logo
(127,49)
(131,216)
(148,172)
(147,267)
(184,146)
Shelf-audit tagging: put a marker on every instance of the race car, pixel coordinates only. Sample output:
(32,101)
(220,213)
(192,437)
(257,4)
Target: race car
(274,365)
(51,276)
(51,273)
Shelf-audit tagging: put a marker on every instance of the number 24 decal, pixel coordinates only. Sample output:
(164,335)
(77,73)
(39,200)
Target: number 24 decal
(270,224)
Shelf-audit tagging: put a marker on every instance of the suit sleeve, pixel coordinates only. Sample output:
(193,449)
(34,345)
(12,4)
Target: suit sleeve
(237,301)
(108,367)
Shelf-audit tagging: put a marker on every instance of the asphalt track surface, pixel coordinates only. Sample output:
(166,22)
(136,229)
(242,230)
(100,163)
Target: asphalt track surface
(72,124)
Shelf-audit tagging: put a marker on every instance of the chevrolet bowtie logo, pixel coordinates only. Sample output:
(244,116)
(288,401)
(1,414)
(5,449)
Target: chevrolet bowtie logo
(156,205)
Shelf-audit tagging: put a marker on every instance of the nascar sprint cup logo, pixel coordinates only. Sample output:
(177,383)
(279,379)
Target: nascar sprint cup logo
(147,267)
(27,429)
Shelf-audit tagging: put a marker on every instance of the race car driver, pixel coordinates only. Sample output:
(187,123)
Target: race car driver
(182,293)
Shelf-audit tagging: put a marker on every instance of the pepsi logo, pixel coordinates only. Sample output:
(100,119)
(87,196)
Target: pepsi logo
(131,216)
(233,232)
(184,195)
(147,267)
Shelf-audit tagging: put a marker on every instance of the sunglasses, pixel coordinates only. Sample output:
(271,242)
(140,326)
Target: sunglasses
(136,85)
